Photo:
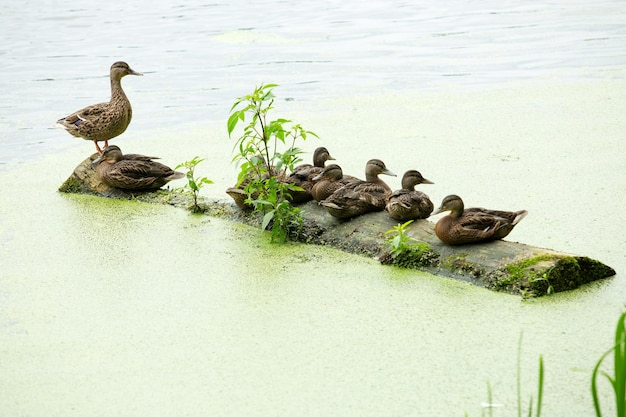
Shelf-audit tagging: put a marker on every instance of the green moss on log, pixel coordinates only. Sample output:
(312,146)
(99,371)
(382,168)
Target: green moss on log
(545,274)
(418,256)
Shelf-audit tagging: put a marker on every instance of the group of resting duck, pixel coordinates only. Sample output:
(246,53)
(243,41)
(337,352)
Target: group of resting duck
(343,196)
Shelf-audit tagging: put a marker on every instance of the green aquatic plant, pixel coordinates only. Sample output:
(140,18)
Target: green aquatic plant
(406,251)
(264,164)
(194,184)
(519,385)
(537,412)
(398,239)
(618,380)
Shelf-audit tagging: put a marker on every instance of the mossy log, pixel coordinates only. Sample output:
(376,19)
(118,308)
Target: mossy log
(506,266)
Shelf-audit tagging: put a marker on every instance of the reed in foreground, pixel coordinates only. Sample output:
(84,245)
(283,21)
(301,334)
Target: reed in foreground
(618,380)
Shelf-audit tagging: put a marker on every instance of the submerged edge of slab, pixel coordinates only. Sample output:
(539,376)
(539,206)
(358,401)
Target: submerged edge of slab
(511,267)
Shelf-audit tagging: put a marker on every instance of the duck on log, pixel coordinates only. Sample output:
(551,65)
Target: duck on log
(499,265)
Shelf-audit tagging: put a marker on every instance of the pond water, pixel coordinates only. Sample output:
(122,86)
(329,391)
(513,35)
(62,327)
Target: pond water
(117,307)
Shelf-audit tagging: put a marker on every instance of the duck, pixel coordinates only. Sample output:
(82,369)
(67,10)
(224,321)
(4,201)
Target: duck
(407,203)
(303,174)
(360,197)
(473,225)
(238,193)
(103,121)
(132,171)
(328,181)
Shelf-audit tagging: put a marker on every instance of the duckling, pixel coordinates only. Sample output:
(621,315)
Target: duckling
(238,194)
(139,173)
(407,203)
(302,175)
(473,225)
(360,197)
(104,121)
(328,181)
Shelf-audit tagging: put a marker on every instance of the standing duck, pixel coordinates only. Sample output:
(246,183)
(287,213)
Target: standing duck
(407,203)
(103,121)
(473,225)
(328,181)
(360,197)
(132,171)
(302,175)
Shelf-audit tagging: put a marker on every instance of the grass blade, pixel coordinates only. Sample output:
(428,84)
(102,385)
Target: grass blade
(619,380)
(540,389)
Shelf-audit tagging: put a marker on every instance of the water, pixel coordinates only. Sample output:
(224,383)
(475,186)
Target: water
(200,56)
(118,307)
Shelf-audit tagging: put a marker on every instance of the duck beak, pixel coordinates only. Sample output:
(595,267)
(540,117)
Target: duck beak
(425,181)
(388,172)
(318,177)
(437,211)
(97,160)
(133,72)
(330,158)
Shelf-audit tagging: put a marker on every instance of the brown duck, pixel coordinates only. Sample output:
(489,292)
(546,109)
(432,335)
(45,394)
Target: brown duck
(328,181)
(104,121)
(238,194)
(302,175)
(132,171)
(360,197)
(407,203)
(473,225)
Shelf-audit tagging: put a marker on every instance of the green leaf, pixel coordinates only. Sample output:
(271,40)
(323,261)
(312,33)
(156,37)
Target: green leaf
(267,218)
(234,119)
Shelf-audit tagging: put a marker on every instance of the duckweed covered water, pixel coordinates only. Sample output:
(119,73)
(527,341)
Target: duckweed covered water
(121,308)
(146,309)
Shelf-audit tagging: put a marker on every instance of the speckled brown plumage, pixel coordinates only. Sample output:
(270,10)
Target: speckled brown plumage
(328,181)
(302,175)
(473,225)
(238,193)
(140,173)
(407,203)
(360,197)
(103,121)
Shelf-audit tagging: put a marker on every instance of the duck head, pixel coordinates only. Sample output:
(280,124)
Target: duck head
(332,172)
(121,69)
(320,156)
(374,168)
(451,203)
(412,178)
(111,155)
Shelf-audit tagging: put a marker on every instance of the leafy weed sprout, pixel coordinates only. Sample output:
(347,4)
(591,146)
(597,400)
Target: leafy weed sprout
(194,184)
(406,251)
(263,165)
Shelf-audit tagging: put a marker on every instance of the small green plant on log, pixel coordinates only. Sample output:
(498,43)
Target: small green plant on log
(406,251)
(618,380)
(194,184)
(263,165)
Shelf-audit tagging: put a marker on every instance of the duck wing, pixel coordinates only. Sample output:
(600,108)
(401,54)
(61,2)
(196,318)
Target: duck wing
(139,174)
(84,116)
